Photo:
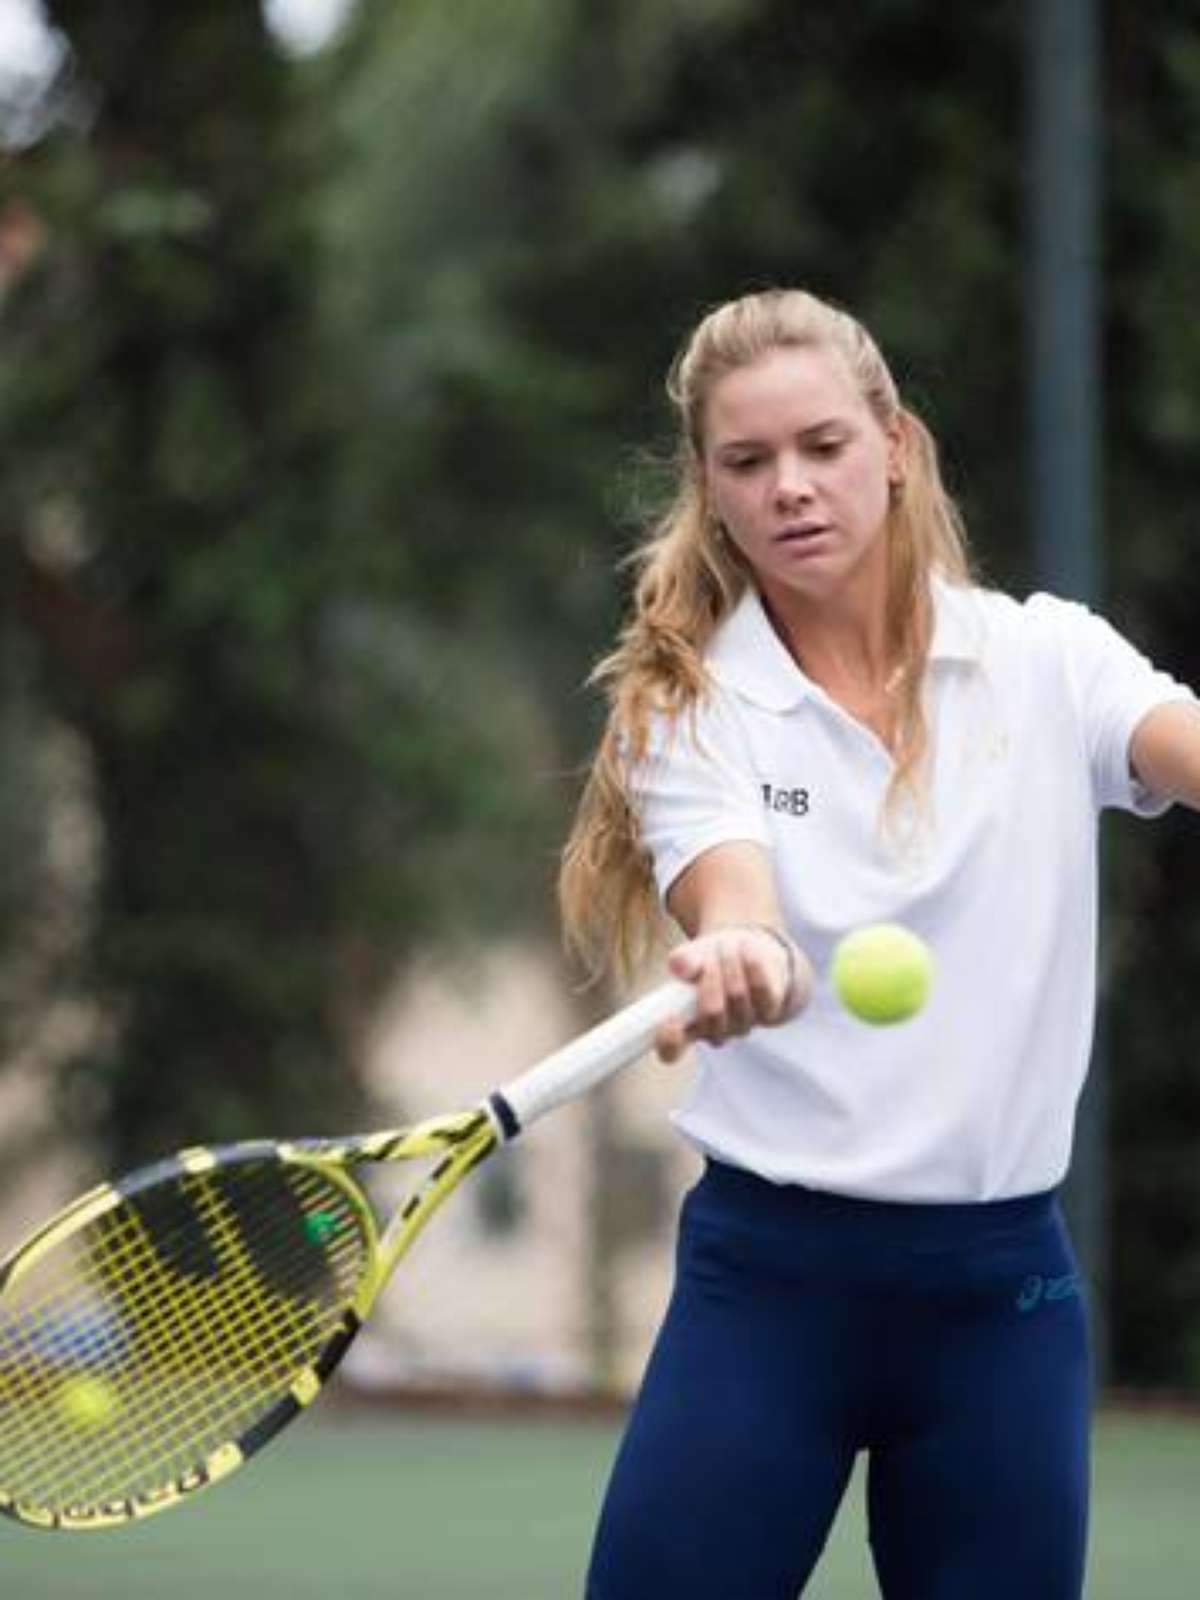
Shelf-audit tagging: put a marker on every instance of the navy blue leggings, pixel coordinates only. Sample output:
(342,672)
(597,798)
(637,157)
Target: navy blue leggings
(948,1341)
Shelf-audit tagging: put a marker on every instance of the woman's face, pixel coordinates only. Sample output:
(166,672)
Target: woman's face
(798,470)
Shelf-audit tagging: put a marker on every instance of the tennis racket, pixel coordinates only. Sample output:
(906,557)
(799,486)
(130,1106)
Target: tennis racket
(162,1329)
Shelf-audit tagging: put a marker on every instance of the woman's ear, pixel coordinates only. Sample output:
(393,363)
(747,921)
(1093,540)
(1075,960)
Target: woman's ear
(897,452)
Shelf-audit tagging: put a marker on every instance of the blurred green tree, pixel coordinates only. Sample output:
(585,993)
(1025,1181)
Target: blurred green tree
(278,770)
(545,196)
(1153,481)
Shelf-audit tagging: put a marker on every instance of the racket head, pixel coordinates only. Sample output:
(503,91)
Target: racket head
(161,1330)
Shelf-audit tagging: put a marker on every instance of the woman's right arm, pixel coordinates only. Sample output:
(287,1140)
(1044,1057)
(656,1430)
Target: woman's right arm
(747,970)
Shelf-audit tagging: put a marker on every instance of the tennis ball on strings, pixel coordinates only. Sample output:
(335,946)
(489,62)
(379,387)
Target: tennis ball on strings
(88,1402)
(320,1227)
(883,973)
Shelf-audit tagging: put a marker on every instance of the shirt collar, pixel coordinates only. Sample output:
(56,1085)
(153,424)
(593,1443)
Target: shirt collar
(748,656)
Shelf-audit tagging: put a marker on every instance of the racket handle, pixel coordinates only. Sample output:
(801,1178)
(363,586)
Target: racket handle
(588,1060)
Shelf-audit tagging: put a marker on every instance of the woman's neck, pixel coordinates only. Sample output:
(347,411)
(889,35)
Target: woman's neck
(840,643)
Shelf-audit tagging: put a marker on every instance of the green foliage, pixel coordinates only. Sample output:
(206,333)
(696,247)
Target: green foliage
(335,399)
(279,804)
(539,210)
(1153,437)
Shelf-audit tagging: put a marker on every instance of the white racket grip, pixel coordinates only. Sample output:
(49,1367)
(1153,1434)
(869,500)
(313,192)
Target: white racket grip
(594,1056)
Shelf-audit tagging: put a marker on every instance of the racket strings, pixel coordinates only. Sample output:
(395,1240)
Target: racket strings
(156,1334)
(169,1400)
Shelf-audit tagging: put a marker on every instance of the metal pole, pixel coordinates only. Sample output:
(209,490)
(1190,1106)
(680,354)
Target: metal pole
(1065,412)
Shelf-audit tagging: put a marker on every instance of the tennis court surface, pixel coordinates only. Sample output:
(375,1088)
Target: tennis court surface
(416,1508)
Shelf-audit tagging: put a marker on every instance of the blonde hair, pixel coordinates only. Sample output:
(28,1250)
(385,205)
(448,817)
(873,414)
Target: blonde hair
(690,577)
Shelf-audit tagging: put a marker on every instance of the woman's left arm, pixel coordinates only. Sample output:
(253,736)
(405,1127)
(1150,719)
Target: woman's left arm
(1164,751)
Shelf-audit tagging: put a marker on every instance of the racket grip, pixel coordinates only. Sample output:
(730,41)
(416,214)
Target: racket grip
(588,1060)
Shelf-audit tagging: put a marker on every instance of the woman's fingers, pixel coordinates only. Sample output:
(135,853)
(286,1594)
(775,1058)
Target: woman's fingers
(671,1041)
(743,978)
(739,1015)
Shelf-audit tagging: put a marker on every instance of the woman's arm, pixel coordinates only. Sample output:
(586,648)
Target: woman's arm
(746,969)
(1164,751)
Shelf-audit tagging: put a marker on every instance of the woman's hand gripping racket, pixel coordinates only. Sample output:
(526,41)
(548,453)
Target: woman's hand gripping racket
(162,1329)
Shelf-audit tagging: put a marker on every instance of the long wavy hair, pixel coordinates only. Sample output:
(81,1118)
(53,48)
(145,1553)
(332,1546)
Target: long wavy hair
(690,576)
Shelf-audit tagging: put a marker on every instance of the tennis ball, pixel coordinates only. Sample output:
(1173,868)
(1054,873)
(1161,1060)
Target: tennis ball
(88,1402)
(883,973)
(320,1227)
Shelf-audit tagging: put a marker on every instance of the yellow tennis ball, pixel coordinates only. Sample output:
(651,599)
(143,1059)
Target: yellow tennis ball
(88,1402)
(883,973)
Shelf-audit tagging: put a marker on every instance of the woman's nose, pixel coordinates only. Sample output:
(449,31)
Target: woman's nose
(793,483)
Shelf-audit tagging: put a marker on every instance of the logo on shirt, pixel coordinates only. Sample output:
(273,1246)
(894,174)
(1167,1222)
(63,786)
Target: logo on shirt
(793,802)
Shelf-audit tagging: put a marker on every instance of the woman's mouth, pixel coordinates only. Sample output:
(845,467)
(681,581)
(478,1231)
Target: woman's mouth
(799,534)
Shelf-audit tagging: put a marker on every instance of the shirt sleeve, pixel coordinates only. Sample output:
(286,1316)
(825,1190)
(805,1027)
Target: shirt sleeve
(1115,686)
(695,788)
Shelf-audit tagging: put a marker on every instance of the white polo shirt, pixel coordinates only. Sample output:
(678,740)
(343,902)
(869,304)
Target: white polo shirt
(1031,710)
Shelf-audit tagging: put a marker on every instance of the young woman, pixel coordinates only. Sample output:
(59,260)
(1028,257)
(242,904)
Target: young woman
(818,721)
